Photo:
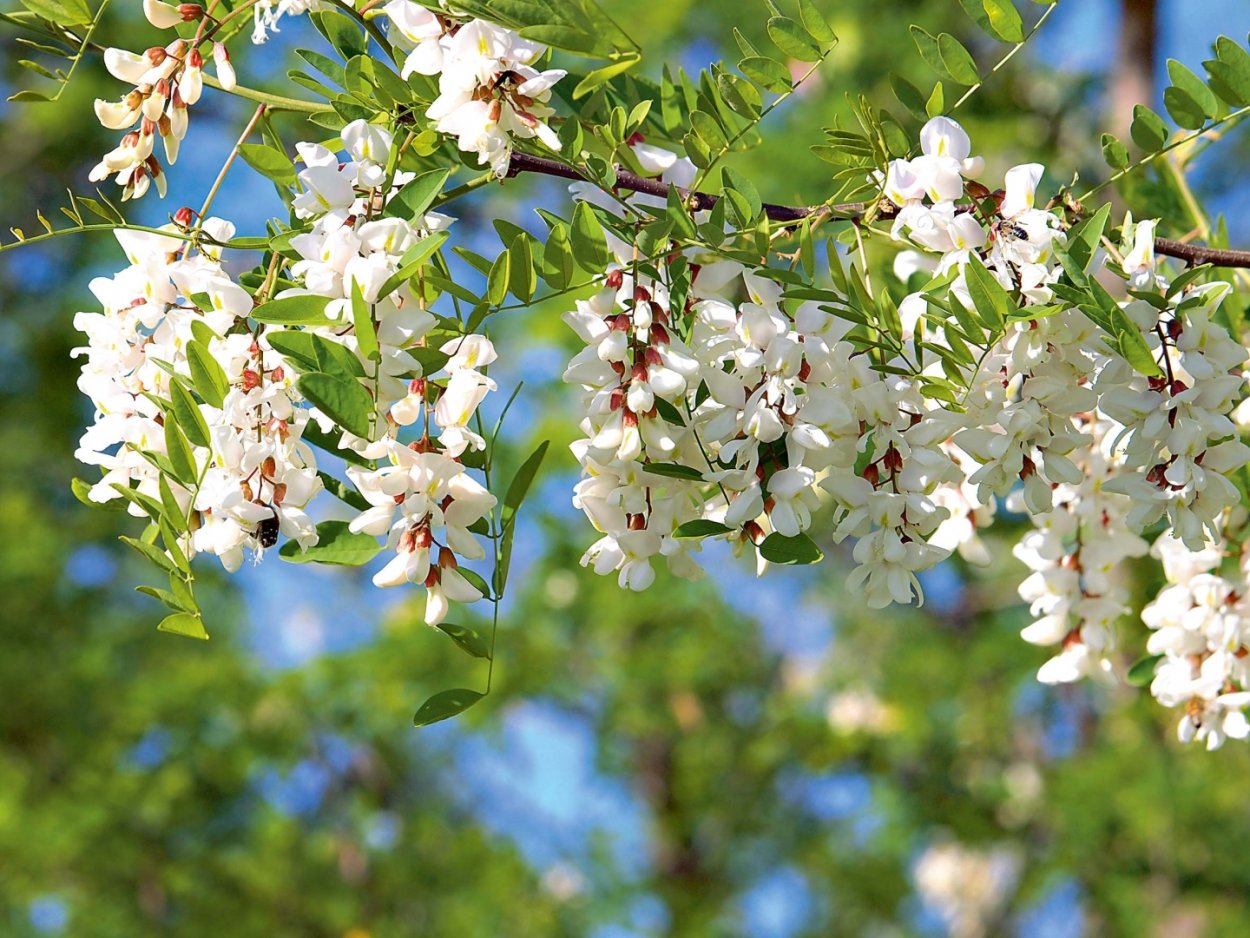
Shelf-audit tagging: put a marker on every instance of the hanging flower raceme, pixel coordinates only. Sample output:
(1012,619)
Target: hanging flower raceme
(245,476)
(166,82)
(1201,624)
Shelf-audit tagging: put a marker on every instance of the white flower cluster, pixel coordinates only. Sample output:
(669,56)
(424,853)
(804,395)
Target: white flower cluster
(351,244)
(1092,449)
(1201,623)
(745,411)
(489,90)
(255,476)
(1179,439)
(167,81)
(1075,553)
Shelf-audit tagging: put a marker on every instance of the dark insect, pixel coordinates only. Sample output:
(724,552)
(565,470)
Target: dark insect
(267,533)
(1014,231)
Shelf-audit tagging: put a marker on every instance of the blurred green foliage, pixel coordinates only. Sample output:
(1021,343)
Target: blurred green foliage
(133,765)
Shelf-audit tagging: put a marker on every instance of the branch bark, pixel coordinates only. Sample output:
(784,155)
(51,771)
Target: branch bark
(700,201)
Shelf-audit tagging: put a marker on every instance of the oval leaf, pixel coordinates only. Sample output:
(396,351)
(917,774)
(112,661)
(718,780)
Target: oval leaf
(446,704)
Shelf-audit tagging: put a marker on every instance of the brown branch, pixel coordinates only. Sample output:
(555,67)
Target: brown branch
(1192,254)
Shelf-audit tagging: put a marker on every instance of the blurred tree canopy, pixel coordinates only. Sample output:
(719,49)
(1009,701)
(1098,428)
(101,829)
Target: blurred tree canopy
(761,785)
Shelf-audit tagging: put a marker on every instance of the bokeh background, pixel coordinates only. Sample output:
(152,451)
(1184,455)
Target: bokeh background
(732,757)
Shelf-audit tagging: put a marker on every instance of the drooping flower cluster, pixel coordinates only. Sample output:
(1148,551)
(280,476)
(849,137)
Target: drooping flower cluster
(1201,624)
(167,81)
(746,420)
(250,475)
(489,89)
(1179,439)
(1076,554)
(354,245)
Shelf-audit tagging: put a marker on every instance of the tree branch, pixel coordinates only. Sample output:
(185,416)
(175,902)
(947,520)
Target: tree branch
(701,201)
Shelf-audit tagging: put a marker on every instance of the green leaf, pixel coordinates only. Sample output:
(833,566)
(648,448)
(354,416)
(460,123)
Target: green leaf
(335,545)
(908,95)
(312,352)
(1230,72)
(991,300)
(184,623)
(1004,20)
(590,245)
(61,12)
(522,279)
(557,267)
(936,104)
(1114,152)
(701,527)
(166,597)
(1195,87)
(269,162)
(413,260)
(1183,109)
(497,279)
(466,638)
(444,705)
(799,549)
(521,482)
(605,74)
(1084,237)
(1148,129)
(959,62)
(417,195)
(343,492)
(82,492)
(187,413)
(362,321)
(736,182)
(927,45)
(709,130)
(767,73)
(674,471)
(208,377)
(345,402)
(303,310)
(179,452)
(792,39)
(1142,671)
(151,552)
(815,23)
(342,33)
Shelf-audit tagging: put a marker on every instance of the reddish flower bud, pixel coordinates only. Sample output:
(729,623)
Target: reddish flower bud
(184,216)
(641,294)
(190,12)
(251,379)
(615,279)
